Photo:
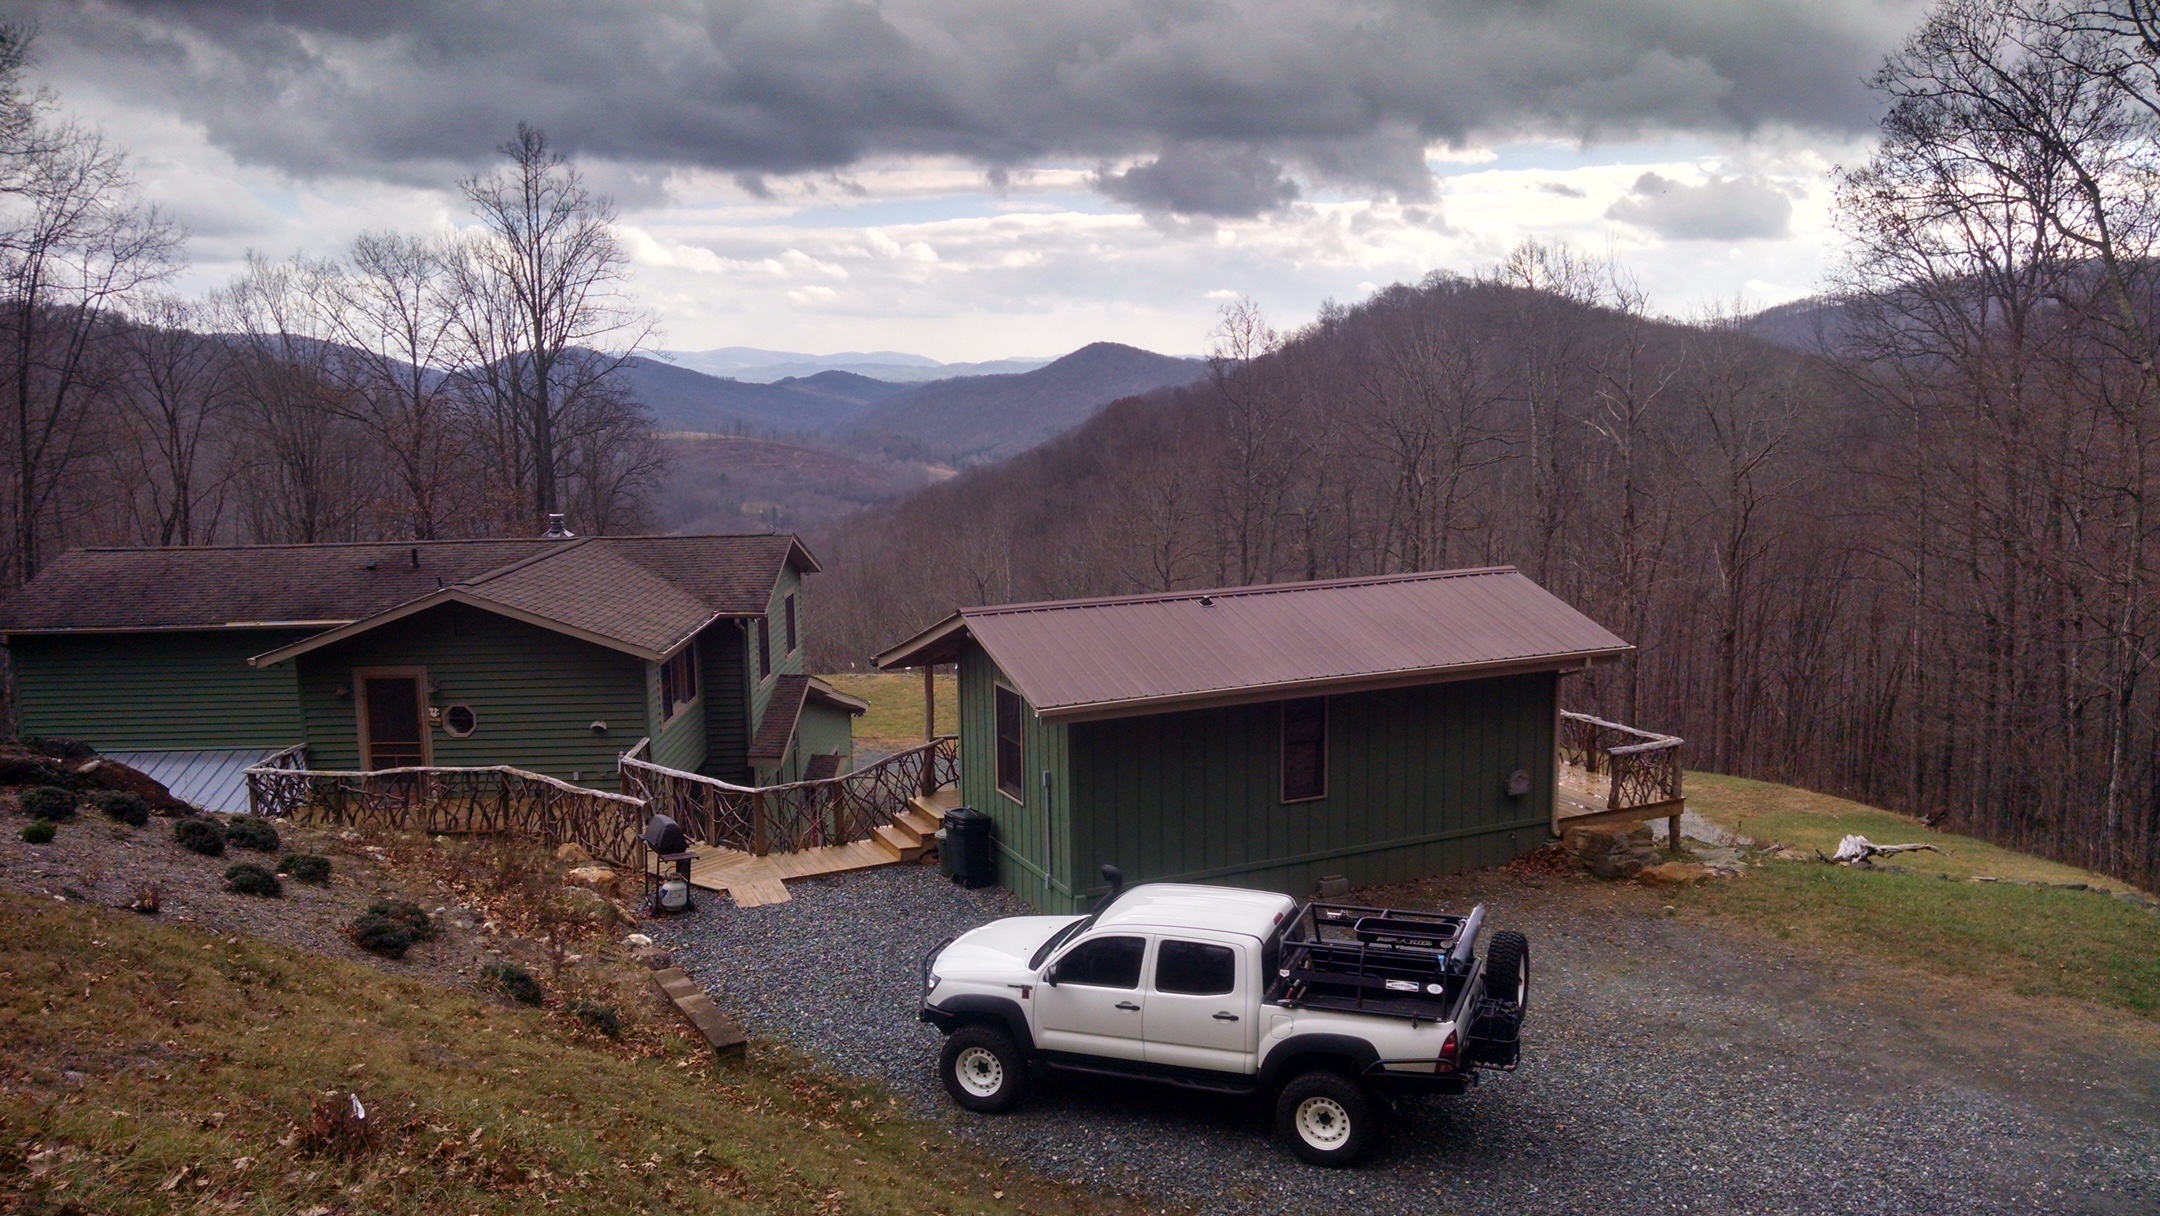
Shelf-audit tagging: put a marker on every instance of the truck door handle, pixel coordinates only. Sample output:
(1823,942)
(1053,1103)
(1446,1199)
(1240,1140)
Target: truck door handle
(1226,1017)
(1128,1006)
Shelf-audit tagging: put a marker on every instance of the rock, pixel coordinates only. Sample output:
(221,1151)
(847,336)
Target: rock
(637,941)
(2074,886)
(602,879)
(1669,911)
(1674,873)
(653,957)
(574,853)
(1792,855)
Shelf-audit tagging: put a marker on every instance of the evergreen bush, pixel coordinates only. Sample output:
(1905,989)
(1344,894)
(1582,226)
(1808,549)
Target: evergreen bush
(49,802)
(597,1016)
(39,831)
(251,832)
(128,808)
(514,982)
(247,878)
(305,867)
(198,835)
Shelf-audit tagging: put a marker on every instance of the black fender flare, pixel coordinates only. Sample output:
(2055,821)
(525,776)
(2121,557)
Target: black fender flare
(1343,1049)
(975,1007)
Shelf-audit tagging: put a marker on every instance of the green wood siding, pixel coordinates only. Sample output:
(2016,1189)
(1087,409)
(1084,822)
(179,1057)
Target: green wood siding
(823,729)
(536,693)
(158,690)
(677,742)
(1031,862)
(790,583)
(727,702)
(1416,785)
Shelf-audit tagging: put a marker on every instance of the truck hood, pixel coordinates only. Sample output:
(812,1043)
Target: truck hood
(1001,947)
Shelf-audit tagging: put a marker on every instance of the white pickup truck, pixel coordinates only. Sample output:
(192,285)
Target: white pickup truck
(1335,1009)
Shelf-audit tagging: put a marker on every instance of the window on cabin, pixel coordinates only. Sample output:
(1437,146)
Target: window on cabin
(764,647)
(1304,749)
(1011,758)
(789,604)
(678,682)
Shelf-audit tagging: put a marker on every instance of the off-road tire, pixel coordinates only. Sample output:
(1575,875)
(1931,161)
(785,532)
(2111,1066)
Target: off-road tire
(983,1069)
(1326,1118)
(1507,969)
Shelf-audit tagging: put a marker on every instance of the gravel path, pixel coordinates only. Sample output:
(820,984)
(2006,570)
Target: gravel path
(1669,1068)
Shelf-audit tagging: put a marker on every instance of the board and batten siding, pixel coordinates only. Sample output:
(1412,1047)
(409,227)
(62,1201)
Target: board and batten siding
(535,693)
(1416,785)
(677,742)
(170,691)
(1031,863)
(821,730)
(790,583)
(727,702)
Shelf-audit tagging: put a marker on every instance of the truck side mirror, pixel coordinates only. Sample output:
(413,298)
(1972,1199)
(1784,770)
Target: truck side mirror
(1050,975)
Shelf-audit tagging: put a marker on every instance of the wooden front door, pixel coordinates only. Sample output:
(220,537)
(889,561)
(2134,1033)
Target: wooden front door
(392,734)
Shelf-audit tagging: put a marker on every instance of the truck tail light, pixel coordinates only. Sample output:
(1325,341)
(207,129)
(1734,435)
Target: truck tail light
(1450,1052)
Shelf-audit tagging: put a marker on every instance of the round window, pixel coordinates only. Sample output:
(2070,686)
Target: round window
(459,721)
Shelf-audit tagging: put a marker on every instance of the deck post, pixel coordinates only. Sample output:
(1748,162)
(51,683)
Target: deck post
(1558,724)
(929,727)
(1672,825)
(758,843)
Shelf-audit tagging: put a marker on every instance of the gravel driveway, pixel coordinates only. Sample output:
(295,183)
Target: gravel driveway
(1668,1068)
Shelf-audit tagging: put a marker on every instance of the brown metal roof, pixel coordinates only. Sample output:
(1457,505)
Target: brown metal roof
(644,594)
(1080,659)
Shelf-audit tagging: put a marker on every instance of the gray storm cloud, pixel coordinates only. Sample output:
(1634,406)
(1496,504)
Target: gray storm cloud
(1219,103)
(1720,209)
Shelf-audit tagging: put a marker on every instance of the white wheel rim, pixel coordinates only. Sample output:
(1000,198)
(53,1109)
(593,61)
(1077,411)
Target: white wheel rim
(1323,1123)
(980,1072)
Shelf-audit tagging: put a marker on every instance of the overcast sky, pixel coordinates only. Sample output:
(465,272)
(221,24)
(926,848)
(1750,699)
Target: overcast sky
(970,180)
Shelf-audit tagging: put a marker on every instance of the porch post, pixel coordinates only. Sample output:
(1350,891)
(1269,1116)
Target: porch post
(929,728)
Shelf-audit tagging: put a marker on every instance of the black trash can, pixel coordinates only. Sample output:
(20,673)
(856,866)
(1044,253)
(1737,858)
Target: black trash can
(968,839)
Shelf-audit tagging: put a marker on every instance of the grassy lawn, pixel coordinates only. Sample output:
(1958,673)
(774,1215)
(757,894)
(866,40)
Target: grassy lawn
(2035,940)
(895,717)
(148,1068)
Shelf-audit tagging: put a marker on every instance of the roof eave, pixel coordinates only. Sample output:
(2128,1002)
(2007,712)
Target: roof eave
(450,595)
(64,631)
(839,700)
(905,654)
(1096,711)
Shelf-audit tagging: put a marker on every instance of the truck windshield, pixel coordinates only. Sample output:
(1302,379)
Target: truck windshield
(1057,939)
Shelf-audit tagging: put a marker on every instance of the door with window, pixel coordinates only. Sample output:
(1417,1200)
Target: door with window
(1197,1013)
(393,732)
(1095,1005)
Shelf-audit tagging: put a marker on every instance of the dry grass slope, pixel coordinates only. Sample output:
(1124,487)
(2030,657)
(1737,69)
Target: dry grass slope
(2029,932)
(150,1069)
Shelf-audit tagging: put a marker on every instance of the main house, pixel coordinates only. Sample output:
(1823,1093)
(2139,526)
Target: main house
(1377,728)
(553,655)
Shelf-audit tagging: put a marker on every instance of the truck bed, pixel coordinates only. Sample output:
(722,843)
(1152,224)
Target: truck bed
(1383,961)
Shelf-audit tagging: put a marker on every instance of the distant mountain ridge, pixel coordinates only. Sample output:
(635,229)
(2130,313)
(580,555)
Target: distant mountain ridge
(756,365)
(980,418)
(682,400)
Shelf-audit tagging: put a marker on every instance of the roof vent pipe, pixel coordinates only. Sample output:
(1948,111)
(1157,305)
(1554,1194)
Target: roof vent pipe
(416,557)
(555,528)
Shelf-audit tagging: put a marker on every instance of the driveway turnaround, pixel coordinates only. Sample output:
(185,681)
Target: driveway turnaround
(1667,1067)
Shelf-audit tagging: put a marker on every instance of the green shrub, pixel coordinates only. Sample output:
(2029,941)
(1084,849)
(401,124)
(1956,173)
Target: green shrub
(126,807)
(60,749)
(247,878)
(251,832)
(305,867)
(597,1016)
(514,982)
(49,802)
(198,835)
(39,831)
(390,926)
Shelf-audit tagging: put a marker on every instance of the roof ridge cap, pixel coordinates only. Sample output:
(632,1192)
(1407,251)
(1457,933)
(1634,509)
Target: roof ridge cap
(559,546)
(1168,597)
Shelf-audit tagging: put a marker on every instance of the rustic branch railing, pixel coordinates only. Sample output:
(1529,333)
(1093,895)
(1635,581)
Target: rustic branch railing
(801,815)
(442,801)
(1639,770)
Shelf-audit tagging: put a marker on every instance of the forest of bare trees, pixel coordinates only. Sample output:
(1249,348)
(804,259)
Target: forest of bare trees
(419,385)
(1914,565)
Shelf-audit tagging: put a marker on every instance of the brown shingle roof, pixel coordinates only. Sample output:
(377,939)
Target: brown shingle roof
(782,711)
(641,593)
(1080,659)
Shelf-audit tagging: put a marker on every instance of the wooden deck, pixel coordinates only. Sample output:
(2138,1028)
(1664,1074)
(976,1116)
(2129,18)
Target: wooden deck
(753,881)
(1581,801)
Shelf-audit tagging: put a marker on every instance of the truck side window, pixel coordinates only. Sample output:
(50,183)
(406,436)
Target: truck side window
(1105,962)
(1195,969)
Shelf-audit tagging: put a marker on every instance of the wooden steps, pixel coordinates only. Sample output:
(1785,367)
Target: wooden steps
(753,881)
